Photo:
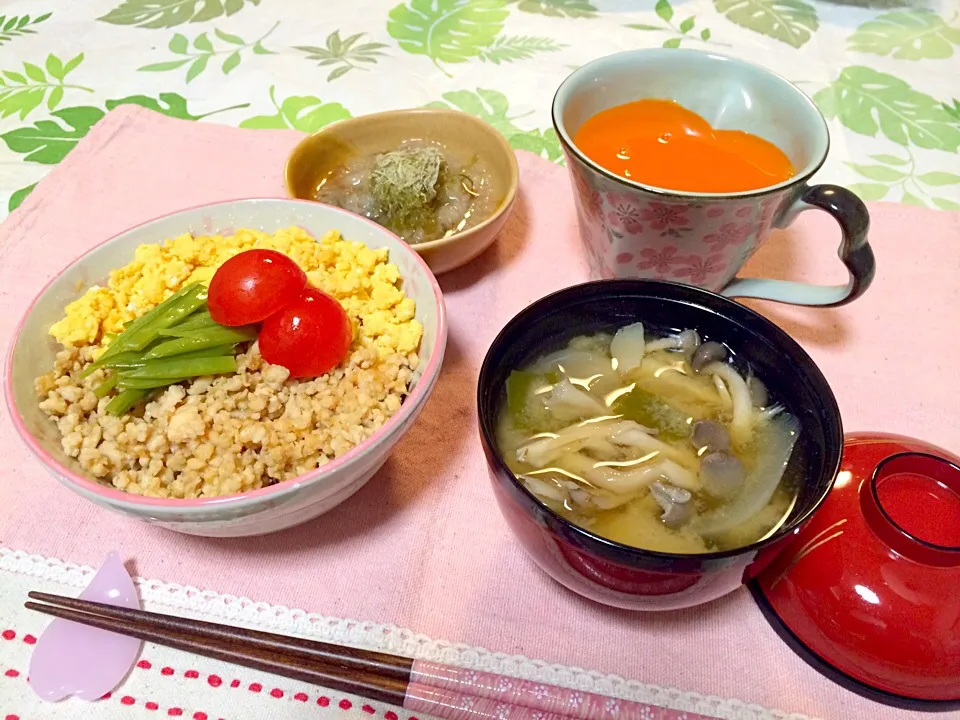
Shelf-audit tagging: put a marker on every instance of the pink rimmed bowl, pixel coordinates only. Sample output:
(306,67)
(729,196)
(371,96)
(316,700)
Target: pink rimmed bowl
(257,512)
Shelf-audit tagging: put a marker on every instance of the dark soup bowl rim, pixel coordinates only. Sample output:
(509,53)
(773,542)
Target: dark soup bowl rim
(703,301)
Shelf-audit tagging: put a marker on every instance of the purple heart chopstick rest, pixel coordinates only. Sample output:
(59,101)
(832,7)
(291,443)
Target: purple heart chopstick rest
(73,659)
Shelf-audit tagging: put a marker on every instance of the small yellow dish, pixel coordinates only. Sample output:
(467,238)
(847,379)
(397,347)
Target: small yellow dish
(318,155)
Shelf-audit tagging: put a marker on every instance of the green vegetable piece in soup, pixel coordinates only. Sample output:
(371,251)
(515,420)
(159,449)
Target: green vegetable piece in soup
(652,412)
(519,385)
(521,401)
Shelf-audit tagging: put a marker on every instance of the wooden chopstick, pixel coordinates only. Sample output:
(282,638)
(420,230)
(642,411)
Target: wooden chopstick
(425,687)
(334,655)
(342,676)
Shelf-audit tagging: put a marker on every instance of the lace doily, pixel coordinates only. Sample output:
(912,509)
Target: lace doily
(22,572)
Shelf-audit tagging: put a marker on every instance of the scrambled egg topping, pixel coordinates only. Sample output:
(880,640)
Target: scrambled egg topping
(361,279)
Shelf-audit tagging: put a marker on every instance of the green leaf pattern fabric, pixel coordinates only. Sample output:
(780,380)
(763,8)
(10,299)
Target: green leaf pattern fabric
(790,21)
(884,73)
(447,31)
(170,13)
(871,103)
(908,35)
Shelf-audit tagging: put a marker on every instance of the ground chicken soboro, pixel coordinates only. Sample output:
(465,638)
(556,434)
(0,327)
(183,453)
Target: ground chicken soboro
(233,433)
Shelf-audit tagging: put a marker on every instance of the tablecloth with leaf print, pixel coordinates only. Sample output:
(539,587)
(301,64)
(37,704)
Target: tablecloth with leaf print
(884,72)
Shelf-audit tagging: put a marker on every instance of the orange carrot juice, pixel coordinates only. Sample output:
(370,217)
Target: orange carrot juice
(661,143)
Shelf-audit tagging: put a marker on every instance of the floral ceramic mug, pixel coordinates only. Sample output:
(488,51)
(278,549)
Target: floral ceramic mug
(634,230)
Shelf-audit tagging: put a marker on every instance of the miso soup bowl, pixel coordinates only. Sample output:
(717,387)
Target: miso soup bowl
(629,577)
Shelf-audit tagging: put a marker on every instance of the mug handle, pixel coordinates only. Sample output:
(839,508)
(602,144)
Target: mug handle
(855,252)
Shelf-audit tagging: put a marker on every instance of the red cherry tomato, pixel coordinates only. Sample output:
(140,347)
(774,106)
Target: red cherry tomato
(309,337)
(252,285)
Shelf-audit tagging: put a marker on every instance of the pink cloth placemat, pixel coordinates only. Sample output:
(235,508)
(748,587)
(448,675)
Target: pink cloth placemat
(423,545)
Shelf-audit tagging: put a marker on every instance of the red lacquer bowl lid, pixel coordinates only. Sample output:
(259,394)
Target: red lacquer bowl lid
(868,591)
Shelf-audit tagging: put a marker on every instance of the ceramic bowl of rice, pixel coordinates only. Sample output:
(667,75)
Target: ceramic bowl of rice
(248,453)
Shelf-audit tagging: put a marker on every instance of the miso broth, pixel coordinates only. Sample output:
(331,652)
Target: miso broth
(657,442)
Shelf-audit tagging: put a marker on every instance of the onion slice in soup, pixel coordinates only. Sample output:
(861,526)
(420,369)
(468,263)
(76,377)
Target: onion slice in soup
(567,402)
(583,367)
(777,439)
(686,341)
(627,347)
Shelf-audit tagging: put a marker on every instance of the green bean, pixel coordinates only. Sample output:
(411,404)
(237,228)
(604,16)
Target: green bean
(116,360)
(104,388)
(177,367)
(128,380)
(129,383)
(125,400)
(125,359)
(216,351)
(139,322)
(177,332)
(147,333)
(143,330)
(139,359)
(128,358)
(134,359)
(197,321)
(201,339)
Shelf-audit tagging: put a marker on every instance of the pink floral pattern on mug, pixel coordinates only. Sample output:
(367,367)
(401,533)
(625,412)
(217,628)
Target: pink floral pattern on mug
(594,203)
(593,200)
(698,268)
(660,262)
(728,234)
(596,240)
(596,250)
(634,232)
(768,211)
(623,214)
(662,216)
